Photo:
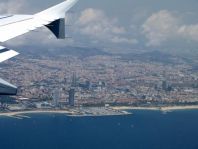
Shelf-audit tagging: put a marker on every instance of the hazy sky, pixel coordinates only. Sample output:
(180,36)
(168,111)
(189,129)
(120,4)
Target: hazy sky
(119,23)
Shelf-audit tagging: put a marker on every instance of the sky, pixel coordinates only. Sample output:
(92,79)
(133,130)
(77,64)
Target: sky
(130,24)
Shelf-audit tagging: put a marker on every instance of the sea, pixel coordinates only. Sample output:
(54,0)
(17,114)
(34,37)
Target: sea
(143,129)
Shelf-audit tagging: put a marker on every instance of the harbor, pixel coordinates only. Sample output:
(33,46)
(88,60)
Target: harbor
(71,112)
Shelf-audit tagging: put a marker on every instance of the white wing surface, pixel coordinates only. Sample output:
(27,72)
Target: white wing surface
(12,26)
(6,54)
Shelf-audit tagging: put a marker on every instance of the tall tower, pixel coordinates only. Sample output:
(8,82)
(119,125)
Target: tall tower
(73,80)
(56,97)
(164,85)
(72,97)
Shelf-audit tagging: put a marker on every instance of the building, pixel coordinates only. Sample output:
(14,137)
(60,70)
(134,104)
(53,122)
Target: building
(164,85)
(56,97)
(72,97)
(74,80)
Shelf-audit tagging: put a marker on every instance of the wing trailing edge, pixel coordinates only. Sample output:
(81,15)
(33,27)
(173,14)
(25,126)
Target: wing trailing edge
(6,54)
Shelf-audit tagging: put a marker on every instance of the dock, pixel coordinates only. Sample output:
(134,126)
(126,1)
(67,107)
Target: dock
(98,111)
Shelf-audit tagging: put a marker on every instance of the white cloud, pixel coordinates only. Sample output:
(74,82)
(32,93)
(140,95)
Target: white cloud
(160,27)
(164,26)
(92,24)
(189,32)
(123,40)
(96,25)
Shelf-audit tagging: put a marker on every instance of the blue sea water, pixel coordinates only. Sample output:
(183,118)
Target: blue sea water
(142,130)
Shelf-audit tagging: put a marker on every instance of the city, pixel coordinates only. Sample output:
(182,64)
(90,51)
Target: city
(89,74)
(99,80)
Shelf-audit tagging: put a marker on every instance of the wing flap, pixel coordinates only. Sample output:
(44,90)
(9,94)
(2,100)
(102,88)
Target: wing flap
(6,54)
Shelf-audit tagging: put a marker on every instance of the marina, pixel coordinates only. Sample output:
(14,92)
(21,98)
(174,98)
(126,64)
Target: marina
(71,112)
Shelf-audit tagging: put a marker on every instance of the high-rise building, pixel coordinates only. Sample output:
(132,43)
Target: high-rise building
(56,97)
(164,85)
(72,97)
(167,86)
(74,80)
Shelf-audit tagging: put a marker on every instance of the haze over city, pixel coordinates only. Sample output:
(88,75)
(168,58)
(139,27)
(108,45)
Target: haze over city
(127,53)
(131,24)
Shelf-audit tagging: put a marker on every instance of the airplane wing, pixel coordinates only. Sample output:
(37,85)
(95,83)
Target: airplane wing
(6,54)
(53,18)
(12,26)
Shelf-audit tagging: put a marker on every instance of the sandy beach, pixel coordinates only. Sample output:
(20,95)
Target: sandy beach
(195,107)
(168,108)
(134,108)
(10,114)
(121,108)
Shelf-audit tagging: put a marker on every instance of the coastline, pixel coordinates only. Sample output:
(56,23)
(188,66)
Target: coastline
(21,114)
(120,108)
(10,114)
(167,108)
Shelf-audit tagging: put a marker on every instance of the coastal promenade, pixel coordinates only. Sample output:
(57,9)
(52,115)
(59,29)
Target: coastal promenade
(166,108)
